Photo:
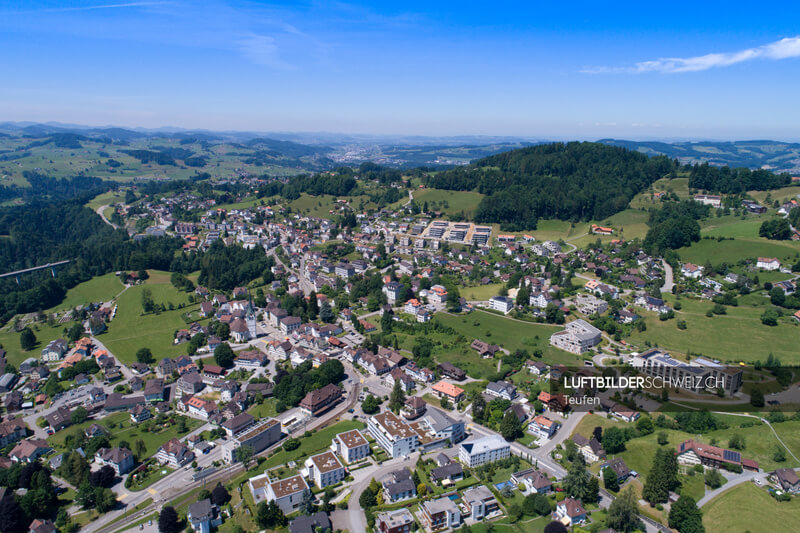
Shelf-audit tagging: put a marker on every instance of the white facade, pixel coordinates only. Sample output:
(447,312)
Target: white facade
(484,450)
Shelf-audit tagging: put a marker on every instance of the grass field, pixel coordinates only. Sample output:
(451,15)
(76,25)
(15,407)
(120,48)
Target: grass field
(680,186)
(124,430)
(508,333)
(736,336)
(98,289)
(131,330)
(109,197)
(318,441)
(449,202)
(732,251)
(759,441)
(9,339)
(747,507)
(320,206)
(481,292)
(782,195)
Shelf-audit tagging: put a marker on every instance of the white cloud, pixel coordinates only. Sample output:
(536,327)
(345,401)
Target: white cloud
(783,49)
(262,50)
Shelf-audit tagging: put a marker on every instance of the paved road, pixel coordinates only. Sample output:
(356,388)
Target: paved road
(669,279)
(100,210)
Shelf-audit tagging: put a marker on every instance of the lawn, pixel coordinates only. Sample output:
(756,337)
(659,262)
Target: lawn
(782,195)
(318,441)
(481,292)
(265,410)
(736,336)
(747,507)
(131,330)
(125,430)
(109,197)
(9,340)
(98,289)
(508,333)
(320,206)
(741,248)
(449,202)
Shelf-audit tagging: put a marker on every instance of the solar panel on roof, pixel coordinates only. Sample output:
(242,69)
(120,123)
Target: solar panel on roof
(729,455)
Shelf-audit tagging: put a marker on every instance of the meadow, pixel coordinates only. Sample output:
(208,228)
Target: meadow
(131,330)
(98,289)
(747,507)
(735,336)
(456,201)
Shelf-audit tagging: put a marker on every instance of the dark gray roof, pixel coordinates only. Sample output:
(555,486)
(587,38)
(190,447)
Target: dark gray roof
(309,524)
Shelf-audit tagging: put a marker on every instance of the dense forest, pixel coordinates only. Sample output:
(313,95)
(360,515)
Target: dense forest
(729,180)
(572,181)
(46,187)
(41,233)
(225,267)
(674,225)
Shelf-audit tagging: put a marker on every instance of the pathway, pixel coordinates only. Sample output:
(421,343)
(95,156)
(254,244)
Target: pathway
(100,210)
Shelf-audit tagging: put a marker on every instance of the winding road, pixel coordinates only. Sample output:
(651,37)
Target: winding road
(100,210)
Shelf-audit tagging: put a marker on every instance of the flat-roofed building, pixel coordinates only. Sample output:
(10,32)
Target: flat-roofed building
(483,450)
(260,435)
(286,493)
(351,446)
(393,434)
(325,469)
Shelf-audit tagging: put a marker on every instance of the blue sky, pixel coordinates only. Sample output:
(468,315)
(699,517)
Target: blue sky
(548,70)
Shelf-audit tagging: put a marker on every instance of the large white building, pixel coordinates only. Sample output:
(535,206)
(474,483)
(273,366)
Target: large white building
(351,446)
(392,434)
(325,469)
(577,337)
(287,493)
(504,304)
(484,450)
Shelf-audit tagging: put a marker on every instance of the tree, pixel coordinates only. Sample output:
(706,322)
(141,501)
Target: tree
(514,512)
(223,355)
(148,305)
(387,322)
(663,438)
(398,397)
(367,499)
(685,516)
(326,314)
(270,516)
(597,432)
(243,454)
(576,483)
(168,520)
(736,442)
(313,305)
(555,527)
(74,333)
(623,513)
(27,339)
(663,477)
(105,499)
(478,408)
(610,479)
(770,317)
(614,440)
(510,426)
(104,477)
(713,478)
(144,355)
(79,415)
(220,495)
(757,398)
(12,519)
(370,405)
(140,449)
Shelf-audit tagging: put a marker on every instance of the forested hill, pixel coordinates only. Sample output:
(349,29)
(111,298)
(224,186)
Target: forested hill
(572,181)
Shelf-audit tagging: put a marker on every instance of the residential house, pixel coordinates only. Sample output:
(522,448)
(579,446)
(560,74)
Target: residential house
(11,431)
(480,502)
(444,389)
(203,516)
(452,371)
(174,453)
(786,479)
(397,521)
(398,486)
(393,435)
(286,493)
(325,469)
(28,451)
(315,523)
(618,466)
(120,459)
(441,513)
(483,450)
(591,449)
(768,263)
(691,271)
(351,446)
(321,400)
(190,383)
(571,511)
(502,389)
(533,480)
(543,427)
